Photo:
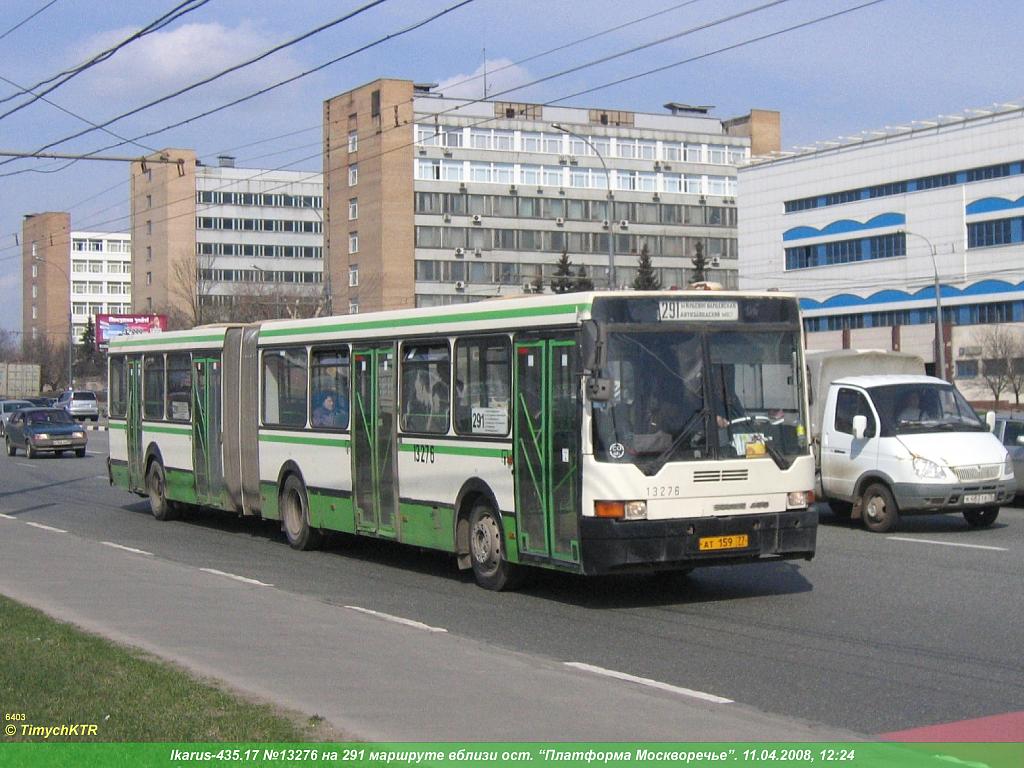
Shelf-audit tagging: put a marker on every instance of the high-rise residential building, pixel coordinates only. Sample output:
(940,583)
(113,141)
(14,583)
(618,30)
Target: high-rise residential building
(434,200)
(216,242)
(862,229)
(84,273)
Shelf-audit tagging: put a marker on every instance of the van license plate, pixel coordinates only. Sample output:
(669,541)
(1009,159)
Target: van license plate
(979,498)
(737,541)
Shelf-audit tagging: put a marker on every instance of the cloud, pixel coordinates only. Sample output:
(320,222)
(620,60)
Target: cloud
(502,75)
(165,61)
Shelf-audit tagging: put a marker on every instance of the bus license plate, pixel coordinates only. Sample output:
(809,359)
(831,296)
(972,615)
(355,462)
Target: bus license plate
(737,541)
(979,498)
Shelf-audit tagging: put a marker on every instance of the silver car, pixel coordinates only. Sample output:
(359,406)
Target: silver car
(80,403)
(7,407)
(1010,432)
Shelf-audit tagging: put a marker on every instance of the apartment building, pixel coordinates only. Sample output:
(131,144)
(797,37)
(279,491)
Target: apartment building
(218,242)
(433,200)
(863,229)
(84,273)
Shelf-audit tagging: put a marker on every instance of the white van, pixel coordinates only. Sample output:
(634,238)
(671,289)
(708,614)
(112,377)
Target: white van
(891,444)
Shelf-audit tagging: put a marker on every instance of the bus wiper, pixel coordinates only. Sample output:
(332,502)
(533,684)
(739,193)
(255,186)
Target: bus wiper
(656,464)
(778,458)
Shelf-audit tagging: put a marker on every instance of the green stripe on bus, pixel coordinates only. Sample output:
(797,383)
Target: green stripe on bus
(134,340)
(116,425)
(296,440)
(457,450)
(463,317)
(167,430)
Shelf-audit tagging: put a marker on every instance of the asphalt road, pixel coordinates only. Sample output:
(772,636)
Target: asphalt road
(879,633)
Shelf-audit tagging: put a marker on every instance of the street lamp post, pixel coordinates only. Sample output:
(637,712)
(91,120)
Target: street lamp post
(71,325)
(940,339)
(608,182)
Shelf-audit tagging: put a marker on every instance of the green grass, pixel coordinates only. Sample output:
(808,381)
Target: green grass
(54,673)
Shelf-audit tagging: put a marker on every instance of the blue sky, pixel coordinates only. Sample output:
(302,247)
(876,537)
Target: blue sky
(886,64)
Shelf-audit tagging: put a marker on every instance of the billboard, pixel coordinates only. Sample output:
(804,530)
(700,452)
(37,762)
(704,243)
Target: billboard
(111,326)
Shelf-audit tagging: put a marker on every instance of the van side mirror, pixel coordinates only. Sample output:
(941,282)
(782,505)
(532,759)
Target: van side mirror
(1020,439)
(860,426)
(990,419)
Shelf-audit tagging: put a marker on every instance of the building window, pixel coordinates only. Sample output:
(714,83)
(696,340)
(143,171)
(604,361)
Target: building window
(149,253)
(353,242)
(149,278)
(353,141)
(353,275)
(149,228)
(997,232)
(149,201)
(353,209)
(353,175)
(966,369)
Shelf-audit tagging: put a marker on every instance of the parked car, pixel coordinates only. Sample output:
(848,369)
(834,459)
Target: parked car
(1010,432)
(42,402)
(8,407)
(44,430)
(80,403)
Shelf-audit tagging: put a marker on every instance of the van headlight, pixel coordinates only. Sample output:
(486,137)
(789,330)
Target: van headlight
(1008,466)
(928,469)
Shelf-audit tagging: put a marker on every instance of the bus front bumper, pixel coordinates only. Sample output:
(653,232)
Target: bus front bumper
(614,546)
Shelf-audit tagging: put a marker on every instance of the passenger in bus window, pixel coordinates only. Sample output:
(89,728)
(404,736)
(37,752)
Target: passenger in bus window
(417,404)
(438,419)
(324,415)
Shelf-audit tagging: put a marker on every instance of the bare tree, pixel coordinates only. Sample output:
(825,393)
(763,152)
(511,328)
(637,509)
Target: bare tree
(52,359)
(1002,353)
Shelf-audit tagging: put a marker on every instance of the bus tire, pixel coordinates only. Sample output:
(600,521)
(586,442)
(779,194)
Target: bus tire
(487,551)
(295,516)
(156,488)
(981,518)
(878,509)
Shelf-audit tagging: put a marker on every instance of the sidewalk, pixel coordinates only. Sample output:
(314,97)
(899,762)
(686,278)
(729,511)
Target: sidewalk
(368,677)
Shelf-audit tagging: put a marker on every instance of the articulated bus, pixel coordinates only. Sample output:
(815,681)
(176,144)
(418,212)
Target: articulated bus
(593,433)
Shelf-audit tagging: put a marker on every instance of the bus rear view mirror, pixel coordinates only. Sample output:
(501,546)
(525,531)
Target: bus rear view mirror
(599,390)
(593,343)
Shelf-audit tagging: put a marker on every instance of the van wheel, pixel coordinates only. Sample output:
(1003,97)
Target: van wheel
(156,487)
(295,516)
(878,509)
(487,552)
(981,518)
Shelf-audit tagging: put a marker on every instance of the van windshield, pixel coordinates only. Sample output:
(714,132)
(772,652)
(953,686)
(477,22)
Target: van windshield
(925,407)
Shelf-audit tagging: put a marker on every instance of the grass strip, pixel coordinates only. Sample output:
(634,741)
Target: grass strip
(52,674)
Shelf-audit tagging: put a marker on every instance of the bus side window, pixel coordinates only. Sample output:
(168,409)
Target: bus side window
(483,384)
(153,387)
(118,395)
(284,387)
(426,388)
(179,386)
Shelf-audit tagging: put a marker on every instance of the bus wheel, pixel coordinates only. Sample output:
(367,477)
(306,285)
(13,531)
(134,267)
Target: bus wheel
(981,518)
(878,508)
(487,552)
(295,516)
(156,487)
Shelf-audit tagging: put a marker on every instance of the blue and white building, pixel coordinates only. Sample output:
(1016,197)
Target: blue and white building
(858,228)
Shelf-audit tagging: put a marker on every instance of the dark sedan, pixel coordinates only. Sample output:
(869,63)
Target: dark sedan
(44,430)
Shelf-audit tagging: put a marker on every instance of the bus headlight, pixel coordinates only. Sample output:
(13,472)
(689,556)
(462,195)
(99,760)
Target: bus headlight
(799,499)
(621,510)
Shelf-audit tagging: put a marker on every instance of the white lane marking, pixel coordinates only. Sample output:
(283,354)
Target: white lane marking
(7,517)
(236,577)
(397,619)
(947,543)
(46,527)
(96,453)
(100,477)
(650,683)
(23,464)
(126,549)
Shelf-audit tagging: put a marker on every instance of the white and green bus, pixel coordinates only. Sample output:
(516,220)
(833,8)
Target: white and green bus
(592,433)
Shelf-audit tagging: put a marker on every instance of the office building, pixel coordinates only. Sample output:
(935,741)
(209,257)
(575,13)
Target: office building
(216,243)
(86,273)
(862,228)
(434,200)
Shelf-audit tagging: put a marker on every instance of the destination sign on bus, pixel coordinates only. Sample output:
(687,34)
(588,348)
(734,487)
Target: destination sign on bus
(717,311)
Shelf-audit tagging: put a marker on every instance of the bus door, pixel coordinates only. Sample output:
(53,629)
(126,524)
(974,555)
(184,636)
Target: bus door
(374,460)
(133,423)
(546,448)
(206,430)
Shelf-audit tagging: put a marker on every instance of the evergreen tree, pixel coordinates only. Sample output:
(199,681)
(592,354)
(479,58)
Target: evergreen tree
(700,264)
(646,279)
(562,280)
(88,357)
(583,282)
(537,285)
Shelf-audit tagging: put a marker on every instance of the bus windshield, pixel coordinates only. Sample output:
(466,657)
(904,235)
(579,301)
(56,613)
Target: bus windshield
(698,395)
